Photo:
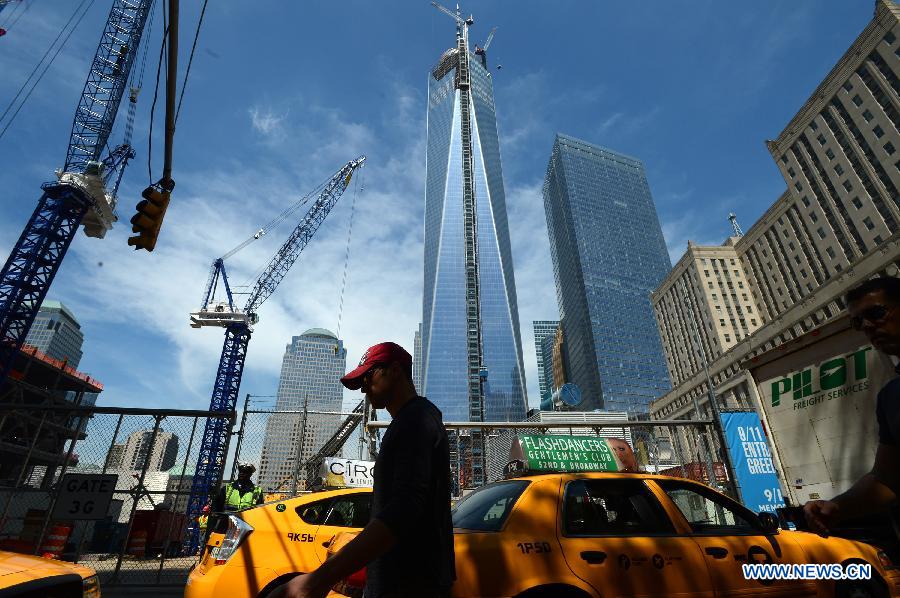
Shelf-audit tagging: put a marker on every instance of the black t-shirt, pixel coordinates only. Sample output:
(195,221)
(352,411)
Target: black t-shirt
(887,410)
(412,497)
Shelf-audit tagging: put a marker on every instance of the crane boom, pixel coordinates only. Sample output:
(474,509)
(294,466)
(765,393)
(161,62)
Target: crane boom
(80,195)
(213,449)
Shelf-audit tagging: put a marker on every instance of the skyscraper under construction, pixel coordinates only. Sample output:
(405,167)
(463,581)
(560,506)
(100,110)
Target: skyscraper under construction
(471,348)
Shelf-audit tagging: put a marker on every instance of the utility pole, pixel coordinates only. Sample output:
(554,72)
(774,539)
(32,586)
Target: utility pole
(297,459)
(714,405)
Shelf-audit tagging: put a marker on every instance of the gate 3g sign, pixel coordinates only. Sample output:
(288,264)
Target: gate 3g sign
(84,496)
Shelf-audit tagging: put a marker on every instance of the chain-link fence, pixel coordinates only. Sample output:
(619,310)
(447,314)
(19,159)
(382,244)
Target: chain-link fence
(690,449)
(60,466)
(287,446)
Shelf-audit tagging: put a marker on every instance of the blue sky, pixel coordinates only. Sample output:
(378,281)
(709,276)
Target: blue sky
(282,96)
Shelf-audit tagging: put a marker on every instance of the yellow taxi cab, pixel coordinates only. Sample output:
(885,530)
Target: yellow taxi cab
(265,546)
(26,575)
(612,533)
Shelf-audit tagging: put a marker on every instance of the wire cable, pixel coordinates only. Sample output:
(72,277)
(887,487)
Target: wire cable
(162,50)
(44,57)
(359,189)
(191,59)
(47,67)
(19,16)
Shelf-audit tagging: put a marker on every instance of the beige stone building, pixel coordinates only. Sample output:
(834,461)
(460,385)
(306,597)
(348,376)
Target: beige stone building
(834,226)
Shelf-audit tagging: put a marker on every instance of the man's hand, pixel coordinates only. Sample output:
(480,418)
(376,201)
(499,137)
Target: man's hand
(821,515)
(302,586)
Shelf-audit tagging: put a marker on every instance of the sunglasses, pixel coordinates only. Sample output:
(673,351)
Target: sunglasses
(367,377)
(873,315)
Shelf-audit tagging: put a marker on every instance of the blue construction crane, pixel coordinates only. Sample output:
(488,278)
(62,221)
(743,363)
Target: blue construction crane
(80,195)
(237,323)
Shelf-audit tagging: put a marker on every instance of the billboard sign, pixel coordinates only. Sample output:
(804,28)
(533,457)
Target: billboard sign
(752,460)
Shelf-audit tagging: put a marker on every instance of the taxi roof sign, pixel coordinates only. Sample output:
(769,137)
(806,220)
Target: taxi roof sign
(532,453)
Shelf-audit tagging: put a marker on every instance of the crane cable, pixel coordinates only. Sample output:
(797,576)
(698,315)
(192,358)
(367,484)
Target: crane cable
(13,17)
(162,50)
(191,59)
(46,67)
(358,190)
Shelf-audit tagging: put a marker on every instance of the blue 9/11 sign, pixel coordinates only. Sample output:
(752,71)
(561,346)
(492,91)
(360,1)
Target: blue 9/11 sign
(752,461)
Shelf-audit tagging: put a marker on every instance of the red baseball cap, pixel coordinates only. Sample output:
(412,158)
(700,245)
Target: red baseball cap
(380,354)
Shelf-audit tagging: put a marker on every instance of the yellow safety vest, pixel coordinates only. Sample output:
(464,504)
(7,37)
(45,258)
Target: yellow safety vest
(235,501)
(203,520)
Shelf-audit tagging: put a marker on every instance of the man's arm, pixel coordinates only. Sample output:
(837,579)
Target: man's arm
(874,491)
(375,540)
(218,503)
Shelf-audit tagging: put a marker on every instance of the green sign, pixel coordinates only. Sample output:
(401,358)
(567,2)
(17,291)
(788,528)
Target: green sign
(564,453)
(824,381)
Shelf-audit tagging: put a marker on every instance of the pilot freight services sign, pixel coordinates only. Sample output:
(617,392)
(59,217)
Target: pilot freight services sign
(752,460)
(571,453)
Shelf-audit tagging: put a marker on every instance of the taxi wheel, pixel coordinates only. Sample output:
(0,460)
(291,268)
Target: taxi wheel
(277,583)
(553,591)
(859,589)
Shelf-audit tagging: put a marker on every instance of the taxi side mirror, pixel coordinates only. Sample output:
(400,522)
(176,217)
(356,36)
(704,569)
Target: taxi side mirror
(769,522)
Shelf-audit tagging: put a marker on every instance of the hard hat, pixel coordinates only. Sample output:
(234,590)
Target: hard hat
(245,465)
(205,509)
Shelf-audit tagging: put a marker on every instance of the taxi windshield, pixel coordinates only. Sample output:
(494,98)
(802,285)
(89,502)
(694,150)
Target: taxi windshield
(487,508)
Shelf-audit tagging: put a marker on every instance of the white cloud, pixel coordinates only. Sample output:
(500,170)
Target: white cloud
(266,121)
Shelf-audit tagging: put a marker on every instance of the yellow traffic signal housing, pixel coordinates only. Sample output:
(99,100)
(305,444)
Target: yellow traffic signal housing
(150,213)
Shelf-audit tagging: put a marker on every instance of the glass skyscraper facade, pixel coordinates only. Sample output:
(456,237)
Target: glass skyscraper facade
(310,375)
(608,255)
(57,333)
(445,330)
(543,330)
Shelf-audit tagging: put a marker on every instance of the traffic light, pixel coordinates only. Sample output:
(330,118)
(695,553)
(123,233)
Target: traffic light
(150,213)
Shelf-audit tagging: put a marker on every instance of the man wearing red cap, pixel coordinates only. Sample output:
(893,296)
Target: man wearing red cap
(408,544)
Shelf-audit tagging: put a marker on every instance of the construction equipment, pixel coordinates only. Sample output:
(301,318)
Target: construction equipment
(237,323)
(80,194)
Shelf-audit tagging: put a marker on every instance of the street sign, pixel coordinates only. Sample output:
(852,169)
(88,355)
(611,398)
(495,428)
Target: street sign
(84,496)
(753,465)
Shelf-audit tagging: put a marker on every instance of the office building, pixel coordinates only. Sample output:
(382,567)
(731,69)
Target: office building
(159,454)
(608,255)
(471,346)
(417,359)
(835,225)
(309,389)
(544,329)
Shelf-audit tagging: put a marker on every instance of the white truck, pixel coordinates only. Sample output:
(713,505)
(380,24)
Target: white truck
(817,402)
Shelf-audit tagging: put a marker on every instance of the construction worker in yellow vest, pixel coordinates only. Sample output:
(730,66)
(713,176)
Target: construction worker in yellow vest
(203,520)
(240,494)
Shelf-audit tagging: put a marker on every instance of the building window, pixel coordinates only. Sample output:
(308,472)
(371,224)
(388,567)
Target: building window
(846,185)
(721,321)
(805,199)
(889,37)
(868,222)
(847,86)
(856,203)
(813,217)
(878,240)
(791,172)
(706,273)
(797,258)
(791,246)
(879,132)
(821,232)
(889,148)
(802,272)
(749,309)
(839,169)
(753,322)
(813,125)
(821,139)
(838,267)
(867,115)
(744,296)
(780,221)
(857,100)
(784,159)
(740,285)
(736,273)
(727,338)
(830,252)
(829,153)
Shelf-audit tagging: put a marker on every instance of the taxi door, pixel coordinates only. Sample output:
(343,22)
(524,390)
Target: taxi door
(346,513)
(729,536)
(617,537)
